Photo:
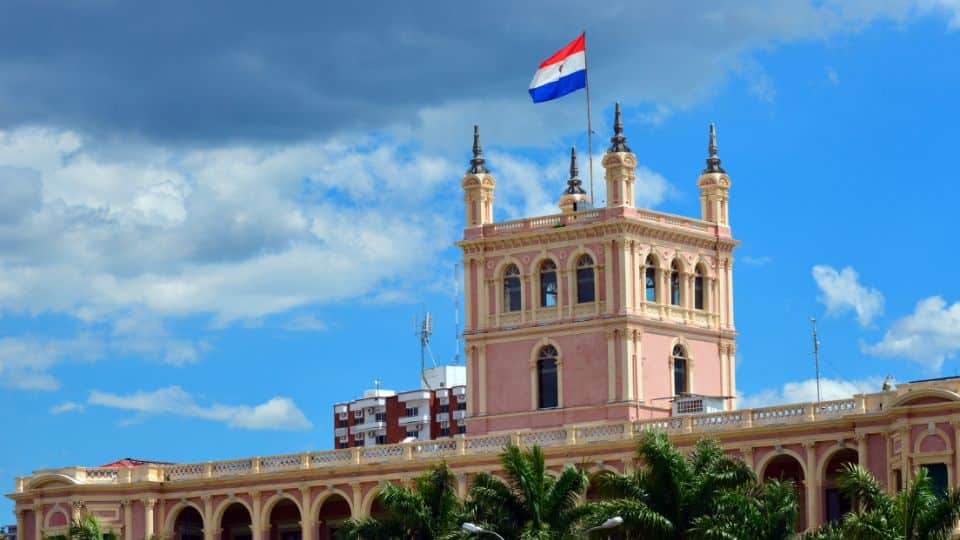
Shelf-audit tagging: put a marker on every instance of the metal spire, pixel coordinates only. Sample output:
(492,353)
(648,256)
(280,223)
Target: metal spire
(618,140)
(477,163)
(713,161)
(574,183)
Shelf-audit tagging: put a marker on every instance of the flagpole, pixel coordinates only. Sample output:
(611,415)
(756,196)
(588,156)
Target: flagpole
(586,80)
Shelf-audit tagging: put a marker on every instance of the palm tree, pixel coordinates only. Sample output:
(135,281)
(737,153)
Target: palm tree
(86,526)
(766,512)
(429,510)
(529,503)
(665,497)
(917,512)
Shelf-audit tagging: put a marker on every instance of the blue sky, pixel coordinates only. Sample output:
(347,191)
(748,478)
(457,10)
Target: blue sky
(210,234)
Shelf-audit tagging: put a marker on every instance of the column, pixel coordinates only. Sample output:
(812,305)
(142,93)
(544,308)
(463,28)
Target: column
(357,504)
(724,383)
(37,521)
(905,447)
(722,291)
(209,529)
(526,297)
(638,363)
(611,366)
(482,378)
(148,527)
(308,521)
(730,293)
(127,519)
(626,350)
(625,283)
(608,261)
(255,523)
(813,486)
(469,302)
(20,530)
(956,454)
(862,457)
(747,454)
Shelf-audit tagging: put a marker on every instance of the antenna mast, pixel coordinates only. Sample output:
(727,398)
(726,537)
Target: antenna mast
(424,330)
(816,358)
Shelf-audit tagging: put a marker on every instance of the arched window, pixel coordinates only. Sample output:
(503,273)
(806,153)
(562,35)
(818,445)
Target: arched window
(679,371)
(585,281)
(548,284)
(675,283)
(547,390)
(650,279)
(698,287)
(511,288)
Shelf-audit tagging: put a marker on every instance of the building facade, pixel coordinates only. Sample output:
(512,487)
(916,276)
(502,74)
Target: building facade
(434,411)
(583,329)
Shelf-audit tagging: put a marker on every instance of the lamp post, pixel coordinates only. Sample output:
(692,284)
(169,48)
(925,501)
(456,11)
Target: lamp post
(608,524)
(476,529)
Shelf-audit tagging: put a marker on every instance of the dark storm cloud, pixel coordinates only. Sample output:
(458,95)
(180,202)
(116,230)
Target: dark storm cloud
(214,71)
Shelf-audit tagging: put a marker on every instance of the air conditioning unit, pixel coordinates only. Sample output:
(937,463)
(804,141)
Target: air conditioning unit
(345,438)
(369,410)
(371,435)
(444,424)
(342,416)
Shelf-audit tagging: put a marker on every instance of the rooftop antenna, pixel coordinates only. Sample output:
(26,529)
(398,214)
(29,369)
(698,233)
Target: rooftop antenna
(376,385)
(456,313)
(816,357)
(423,330)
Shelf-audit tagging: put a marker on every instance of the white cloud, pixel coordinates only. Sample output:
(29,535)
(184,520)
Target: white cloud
(279,413)
(25,361)
(233,232)
(306,323)
(757,260)
(928,336)
(841,291)
(806,391)
(65,407)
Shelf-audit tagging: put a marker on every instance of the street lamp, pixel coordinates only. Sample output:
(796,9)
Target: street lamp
(608,524)
(476,529)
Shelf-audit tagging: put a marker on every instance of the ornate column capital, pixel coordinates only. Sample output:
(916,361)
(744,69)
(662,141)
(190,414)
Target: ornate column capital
(148,502)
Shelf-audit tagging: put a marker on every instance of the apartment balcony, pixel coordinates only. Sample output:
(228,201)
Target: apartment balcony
(459,392)
(417,419)
(341,431)
(369,425)
(459,415)
(443,417)
(341,409)
(416,395)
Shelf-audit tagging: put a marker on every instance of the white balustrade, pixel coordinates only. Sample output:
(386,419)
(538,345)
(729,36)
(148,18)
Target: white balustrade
(281,463)
(603,432)
(544,438)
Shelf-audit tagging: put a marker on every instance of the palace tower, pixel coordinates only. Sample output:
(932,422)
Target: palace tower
(596,314)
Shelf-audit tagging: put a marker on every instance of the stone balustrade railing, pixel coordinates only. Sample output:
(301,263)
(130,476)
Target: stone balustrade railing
(432,450)
(589,216)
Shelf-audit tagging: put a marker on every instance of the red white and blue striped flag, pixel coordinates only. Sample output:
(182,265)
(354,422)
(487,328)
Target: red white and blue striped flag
(564,72)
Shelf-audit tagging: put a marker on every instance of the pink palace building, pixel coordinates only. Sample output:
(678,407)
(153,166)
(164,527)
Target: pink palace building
(582,329)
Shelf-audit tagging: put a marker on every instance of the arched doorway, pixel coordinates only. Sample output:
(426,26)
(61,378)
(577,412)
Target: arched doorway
(333,512)
(236,523)
(785,467)
(188,525)
(285,521)
(835,503)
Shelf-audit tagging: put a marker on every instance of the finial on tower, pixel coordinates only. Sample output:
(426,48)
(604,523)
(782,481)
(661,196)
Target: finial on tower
(618,140)
(713,160)
(477,163)
(574,184)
